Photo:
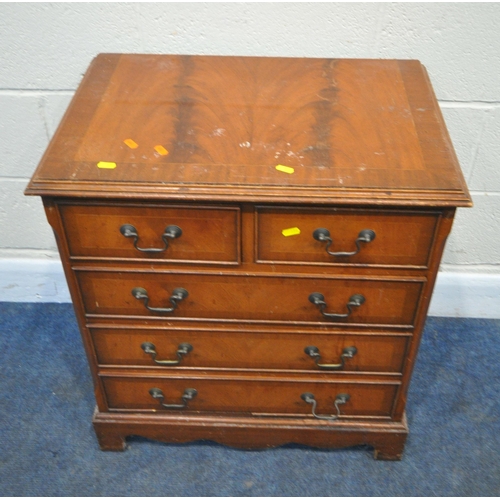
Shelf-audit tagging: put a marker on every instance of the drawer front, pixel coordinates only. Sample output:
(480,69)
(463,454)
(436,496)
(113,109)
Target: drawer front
(403,239)
(208,235)
(166,349)
(245,395)
(253,298)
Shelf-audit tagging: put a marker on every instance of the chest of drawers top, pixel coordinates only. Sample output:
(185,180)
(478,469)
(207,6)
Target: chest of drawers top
(351,132)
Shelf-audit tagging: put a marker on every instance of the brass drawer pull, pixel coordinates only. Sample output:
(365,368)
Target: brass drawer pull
(318,299)
(340,399)
(188,395)
(347,353)
(171,232)
(177,295)
(364,236)
(182,350)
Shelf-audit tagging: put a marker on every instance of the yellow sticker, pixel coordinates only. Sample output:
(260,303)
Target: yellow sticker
(161,150)
(291,231)
(131,143)
(283,168)
(106,164)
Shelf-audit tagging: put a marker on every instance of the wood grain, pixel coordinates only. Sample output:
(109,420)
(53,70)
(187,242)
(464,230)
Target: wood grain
(255,397)
(228,121)
(401,239)
(254,351)
(195,141)
(252,298)
(209,234)
(386,438)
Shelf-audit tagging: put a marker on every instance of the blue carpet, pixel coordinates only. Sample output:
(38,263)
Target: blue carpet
(48,447)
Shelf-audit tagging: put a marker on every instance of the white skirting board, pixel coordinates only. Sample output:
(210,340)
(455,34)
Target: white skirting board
(460,295)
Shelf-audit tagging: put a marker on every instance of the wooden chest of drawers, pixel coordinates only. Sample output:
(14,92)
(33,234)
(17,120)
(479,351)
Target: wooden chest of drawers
(251,244)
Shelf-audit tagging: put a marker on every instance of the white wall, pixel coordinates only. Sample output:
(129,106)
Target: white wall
(45,49)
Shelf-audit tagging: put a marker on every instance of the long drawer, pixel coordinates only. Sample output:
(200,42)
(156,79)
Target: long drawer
(286,235)
(127,231)
(387,301)
(255,396)
(167,348)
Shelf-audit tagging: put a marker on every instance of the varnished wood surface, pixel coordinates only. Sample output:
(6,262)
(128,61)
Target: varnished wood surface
(246,395)
(209,234)
(402,239)
(233,297)
(387,438)
(369,150)
(257,350)
(355,131)
(444,229)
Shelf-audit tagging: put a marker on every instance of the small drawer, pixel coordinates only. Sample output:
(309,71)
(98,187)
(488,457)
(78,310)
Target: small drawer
(238,394)
(194,234)
(370,237)
(236,297)
(169,349)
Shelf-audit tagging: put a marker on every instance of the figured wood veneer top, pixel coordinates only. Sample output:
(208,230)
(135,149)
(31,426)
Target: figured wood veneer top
(216,127)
